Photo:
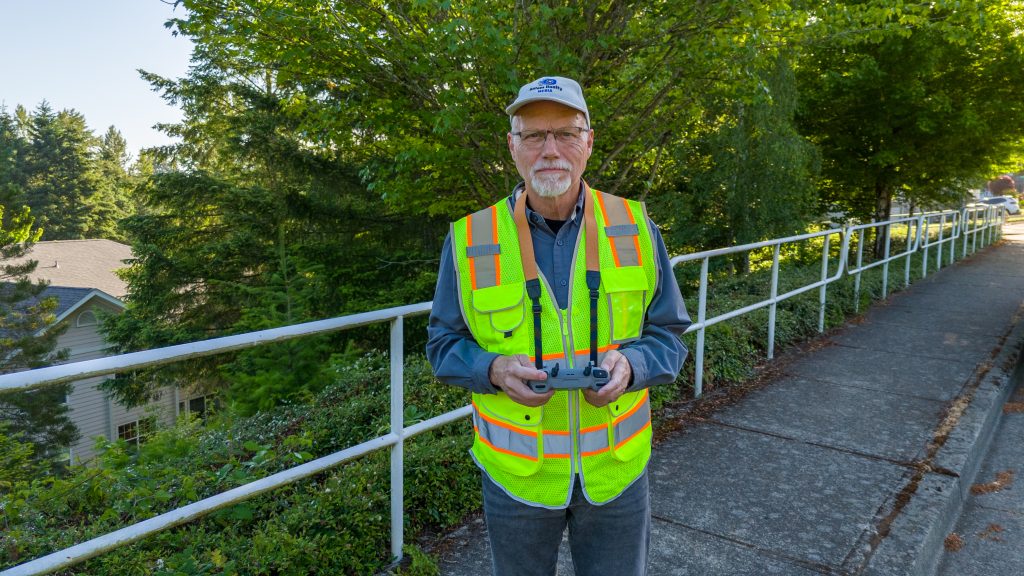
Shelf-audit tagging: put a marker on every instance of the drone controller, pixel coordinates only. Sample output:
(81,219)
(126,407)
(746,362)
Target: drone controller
(591,377)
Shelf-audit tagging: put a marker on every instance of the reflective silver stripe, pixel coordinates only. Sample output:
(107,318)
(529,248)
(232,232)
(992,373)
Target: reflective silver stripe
(634,423)
(483,250)
(594,441)
(557,445)
(622,230)
(485,267)
(617,214)
(505,439)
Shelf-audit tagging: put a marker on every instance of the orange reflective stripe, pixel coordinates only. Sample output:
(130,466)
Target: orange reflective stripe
(584,354)
(581,355)
(632,410)
(594,428)
(604,212)
(636,239)
(469,242)
(502,450)
(638,419)
(504,425)
(497,257)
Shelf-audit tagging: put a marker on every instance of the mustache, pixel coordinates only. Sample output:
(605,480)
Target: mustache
(551,164)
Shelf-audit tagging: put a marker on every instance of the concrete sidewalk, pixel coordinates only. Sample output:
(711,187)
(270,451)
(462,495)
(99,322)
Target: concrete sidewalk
(857,457)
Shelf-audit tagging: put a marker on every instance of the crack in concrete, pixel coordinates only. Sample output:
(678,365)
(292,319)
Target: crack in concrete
(903,463)
(815,566)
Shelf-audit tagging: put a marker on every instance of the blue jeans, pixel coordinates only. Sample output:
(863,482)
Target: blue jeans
(607,540)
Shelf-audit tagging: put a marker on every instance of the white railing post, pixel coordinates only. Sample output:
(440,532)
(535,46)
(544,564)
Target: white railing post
(774,305)
(702,313)
(954,220)
(910,257)
(822,295)
(927,241)
(963,233)
(398,429)
(885,259)
(974,233)
(856,277)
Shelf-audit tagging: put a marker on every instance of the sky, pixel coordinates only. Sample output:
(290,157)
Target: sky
(83,54)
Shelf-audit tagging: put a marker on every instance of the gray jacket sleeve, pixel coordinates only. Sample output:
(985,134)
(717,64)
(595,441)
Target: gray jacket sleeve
(656,357)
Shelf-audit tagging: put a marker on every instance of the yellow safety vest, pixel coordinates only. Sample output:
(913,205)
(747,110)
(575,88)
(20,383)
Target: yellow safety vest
(534,452)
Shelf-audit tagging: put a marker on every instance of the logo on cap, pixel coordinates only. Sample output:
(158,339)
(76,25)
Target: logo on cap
(548,81)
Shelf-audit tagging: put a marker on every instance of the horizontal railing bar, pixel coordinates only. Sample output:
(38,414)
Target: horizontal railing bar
(911,248)
(746,247)
(757,305)
(437,421)
(157,356)
(855,227)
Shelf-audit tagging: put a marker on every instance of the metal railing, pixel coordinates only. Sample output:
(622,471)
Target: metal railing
(914,226)
(971,222)
(703,322)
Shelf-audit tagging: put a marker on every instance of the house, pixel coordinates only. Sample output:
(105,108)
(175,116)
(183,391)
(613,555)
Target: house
(82,278)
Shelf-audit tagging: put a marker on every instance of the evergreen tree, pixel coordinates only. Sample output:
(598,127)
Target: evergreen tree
(62,181)
(113,200)
(12,153)
(38,416)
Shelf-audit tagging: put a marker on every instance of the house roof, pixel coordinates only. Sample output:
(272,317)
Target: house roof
(87,264)
(67,298)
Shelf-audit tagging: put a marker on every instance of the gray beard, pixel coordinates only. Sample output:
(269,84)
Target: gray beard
(550,187)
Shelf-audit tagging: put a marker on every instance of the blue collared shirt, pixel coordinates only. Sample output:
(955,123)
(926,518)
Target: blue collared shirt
(655,358)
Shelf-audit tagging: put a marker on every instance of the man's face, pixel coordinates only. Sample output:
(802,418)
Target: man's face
(553,166)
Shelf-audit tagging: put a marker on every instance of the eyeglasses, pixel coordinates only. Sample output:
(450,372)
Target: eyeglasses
(537,138)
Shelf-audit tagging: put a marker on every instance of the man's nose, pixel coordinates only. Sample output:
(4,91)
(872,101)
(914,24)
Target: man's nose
(550,145)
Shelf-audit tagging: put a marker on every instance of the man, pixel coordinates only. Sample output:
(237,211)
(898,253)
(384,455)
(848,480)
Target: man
(557,308)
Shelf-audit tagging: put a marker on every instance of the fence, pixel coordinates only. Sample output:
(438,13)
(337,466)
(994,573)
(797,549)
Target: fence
(969,224)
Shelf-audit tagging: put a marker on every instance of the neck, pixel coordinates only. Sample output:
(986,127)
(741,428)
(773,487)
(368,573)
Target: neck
(558,207)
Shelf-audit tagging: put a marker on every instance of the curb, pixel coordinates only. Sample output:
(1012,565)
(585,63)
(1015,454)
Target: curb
(915,541)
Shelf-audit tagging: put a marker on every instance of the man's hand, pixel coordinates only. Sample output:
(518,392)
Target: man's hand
(510,374)
(619,374)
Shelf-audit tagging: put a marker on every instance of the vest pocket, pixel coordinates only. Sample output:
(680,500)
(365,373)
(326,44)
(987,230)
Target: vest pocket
(626,291)
(501,307)
(629,426)
(511,434)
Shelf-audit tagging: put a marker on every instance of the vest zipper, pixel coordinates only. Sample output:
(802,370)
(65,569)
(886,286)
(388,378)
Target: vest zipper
(576,461)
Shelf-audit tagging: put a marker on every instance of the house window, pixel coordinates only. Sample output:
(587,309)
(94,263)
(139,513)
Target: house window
(200,406)
(137,431)
(87,318)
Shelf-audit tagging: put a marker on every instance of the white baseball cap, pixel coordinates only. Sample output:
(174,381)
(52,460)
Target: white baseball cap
(553,88)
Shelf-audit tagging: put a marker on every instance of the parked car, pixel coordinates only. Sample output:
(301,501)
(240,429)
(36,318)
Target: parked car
(1009,203)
